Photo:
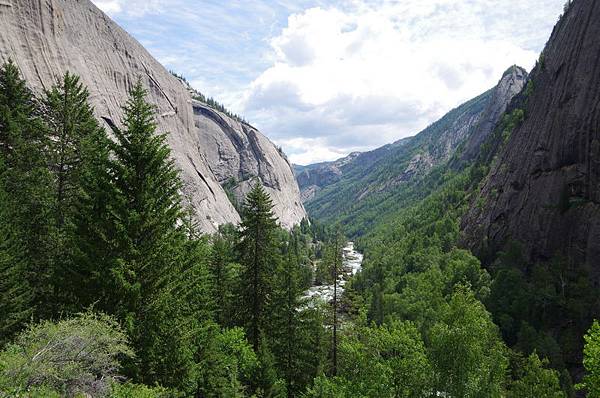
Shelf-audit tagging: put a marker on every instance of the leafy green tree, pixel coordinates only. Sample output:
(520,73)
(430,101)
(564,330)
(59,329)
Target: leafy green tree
(386,361)
(467,354)
(259,258)
(591,362)
(227,363)
(324,387)
(536,381)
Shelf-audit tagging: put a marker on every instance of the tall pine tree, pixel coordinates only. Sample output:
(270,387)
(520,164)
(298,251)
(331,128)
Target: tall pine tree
(77,144)
(15,294)
(259,257)
(23,141)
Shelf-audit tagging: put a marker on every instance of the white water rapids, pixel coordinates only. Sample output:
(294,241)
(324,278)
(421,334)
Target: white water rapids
(351,264)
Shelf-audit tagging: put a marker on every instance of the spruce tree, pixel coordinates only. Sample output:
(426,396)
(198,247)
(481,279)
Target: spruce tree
(285,326)
(223,278)
(77,145)
(26,180)
(258,256)
(156,272)
(88,279)
(146,207)
(15,293)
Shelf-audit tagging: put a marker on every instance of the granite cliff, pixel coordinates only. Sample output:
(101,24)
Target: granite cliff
(46,38)
(543,190)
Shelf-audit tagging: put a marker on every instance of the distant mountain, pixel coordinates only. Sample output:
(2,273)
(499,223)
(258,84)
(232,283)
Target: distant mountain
(354,186)
(219,155)
(312,178)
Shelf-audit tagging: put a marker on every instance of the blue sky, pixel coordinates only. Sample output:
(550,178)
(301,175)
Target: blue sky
(325,78)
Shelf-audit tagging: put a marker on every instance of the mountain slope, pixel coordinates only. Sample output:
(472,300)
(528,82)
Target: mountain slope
(374,183)
(46,38)
(543,191)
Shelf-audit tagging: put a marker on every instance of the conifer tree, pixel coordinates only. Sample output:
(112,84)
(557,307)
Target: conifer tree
(145,250)
(73,129)
(76,145)
(146,208)
(223,279)
(285,326)
(15,294)
(88,278)
(23,139)
(258,251)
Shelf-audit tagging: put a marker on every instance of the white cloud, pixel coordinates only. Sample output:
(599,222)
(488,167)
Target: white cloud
(110,7)
(134,8)
(361,76)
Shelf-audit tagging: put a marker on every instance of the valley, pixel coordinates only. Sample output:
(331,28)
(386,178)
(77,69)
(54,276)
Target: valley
(155,244)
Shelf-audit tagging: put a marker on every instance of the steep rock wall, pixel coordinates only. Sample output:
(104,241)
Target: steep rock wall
(46,38)
(544,188)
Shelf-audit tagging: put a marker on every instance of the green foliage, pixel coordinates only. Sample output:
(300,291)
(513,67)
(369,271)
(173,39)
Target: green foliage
(536,381)
(228,187)
(15,295)
(385,361)
(71,357)
(375,188)
(26,180)
(466,350)
(258,255)
(129,390)
(75,146)
(591,362)
(226,362)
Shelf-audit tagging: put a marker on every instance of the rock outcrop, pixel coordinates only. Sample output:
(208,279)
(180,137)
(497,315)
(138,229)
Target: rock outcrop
(46,38)
(239,156)
(544,188)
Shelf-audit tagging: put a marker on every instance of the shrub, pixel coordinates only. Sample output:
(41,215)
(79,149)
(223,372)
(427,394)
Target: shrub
(70,357)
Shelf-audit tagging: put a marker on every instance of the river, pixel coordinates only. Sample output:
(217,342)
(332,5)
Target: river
(351,265)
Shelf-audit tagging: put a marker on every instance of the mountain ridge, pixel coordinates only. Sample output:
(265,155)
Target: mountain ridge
(371,178)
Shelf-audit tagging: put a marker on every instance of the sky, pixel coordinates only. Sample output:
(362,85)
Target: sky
(324,78)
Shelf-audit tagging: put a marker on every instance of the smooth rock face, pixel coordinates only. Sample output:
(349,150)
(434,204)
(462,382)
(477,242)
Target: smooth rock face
(46,38)
(544,190)
(239,155)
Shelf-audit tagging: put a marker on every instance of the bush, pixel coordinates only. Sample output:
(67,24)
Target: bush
(70,357)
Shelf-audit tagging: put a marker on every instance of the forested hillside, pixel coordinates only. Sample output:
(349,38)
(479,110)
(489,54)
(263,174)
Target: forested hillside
(376,184)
